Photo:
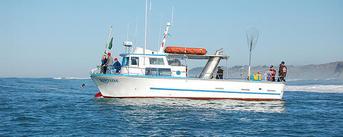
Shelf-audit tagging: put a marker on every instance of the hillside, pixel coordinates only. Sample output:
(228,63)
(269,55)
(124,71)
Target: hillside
(333,70)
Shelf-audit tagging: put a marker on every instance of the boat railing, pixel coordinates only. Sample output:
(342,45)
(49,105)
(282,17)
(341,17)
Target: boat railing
(226,77)
(97,70)
(111,70)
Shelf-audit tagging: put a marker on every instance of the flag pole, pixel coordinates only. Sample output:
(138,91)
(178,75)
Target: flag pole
(109,38)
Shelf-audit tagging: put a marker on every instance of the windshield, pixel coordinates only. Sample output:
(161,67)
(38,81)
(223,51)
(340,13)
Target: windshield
(125,61)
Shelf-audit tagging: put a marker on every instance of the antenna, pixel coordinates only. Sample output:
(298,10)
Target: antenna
(160,26)
(150,5)
(165,34)
(127,31)
(135,33)
(252,37)
(127,44)
(172,16)
(145,25)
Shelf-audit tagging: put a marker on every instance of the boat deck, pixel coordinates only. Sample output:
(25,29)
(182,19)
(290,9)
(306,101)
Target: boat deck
(188,78)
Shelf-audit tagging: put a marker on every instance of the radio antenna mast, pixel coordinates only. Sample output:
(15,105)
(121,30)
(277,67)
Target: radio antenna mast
(166,32)
(172,16)
(145,25)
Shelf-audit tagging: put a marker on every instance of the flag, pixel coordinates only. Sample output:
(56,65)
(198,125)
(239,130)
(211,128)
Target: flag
(110,44)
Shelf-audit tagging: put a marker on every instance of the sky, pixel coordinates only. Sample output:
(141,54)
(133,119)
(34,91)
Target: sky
(65,38)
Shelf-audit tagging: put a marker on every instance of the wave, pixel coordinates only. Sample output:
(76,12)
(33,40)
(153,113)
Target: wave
(69,78)
(239,105)
(295,80)
(316,88)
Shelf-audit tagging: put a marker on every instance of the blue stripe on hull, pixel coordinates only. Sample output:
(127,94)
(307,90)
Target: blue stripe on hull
(215,91)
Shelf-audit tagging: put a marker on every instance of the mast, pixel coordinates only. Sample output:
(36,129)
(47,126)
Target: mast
(172,16)
(164,37)
(145,25)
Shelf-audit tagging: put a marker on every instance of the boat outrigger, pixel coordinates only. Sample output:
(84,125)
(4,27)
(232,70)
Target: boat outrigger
(162,74)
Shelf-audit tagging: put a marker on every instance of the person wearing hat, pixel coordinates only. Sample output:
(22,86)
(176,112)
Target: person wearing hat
(117,65)
(282,72)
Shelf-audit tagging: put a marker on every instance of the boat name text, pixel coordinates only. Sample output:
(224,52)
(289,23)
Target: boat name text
(103,80)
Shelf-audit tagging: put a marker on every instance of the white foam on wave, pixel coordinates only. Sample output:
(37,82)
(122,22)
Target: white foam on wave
(69,78)
(317,88)
(294,80)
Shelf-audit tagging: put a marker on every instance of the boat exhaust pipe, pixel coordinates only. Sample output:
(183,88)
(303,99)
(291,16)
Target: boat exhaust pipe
(211,65)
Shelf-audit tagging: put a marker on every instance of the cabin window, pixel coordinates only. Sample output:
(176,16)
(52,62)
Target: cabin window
(134,60)
(165,72)
(158,71)
(125,61)
(156,61)
(174,62)
(151,71)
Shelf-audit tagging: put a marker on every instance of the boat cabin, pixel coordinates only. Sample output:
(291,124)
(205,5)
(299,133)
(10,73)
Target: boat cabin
(151,64)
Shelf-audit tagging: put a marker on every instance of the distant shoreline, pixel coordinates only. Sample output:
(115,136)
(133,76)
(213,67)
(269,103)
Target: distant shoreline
(332,70)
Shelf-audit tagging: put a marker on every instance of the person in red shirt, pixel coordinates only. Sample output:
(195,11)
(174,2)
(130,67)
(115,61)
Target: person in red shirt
(271,73)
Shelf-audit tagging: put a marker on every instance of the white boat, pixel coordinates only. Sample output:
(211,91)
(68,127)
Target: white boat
(151,75)
(156,74)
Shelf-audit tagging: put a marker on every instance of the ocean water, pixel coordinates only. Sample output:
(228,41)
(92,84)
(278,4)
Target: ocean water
(60,107)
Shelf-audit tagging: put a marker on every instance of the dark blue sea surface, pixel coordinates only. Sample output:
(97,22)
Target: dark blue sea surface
(60,107)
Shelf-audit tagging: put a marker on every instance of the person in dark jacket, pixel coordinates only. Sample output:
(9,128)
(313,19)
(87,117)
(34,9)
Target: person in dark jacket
(220,73)
(104,64)
(117,65)
(282,72)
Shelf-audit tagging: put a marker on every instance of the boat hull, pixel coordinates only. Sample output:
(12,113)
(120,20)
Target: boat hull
(124,86)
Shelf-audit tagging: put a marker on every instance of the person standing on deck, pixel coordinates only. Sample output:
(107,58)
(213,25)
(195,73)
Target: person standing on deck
(109,59)
(117,65)
(104,64)
(271,73)
(220,73)
(282,72)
